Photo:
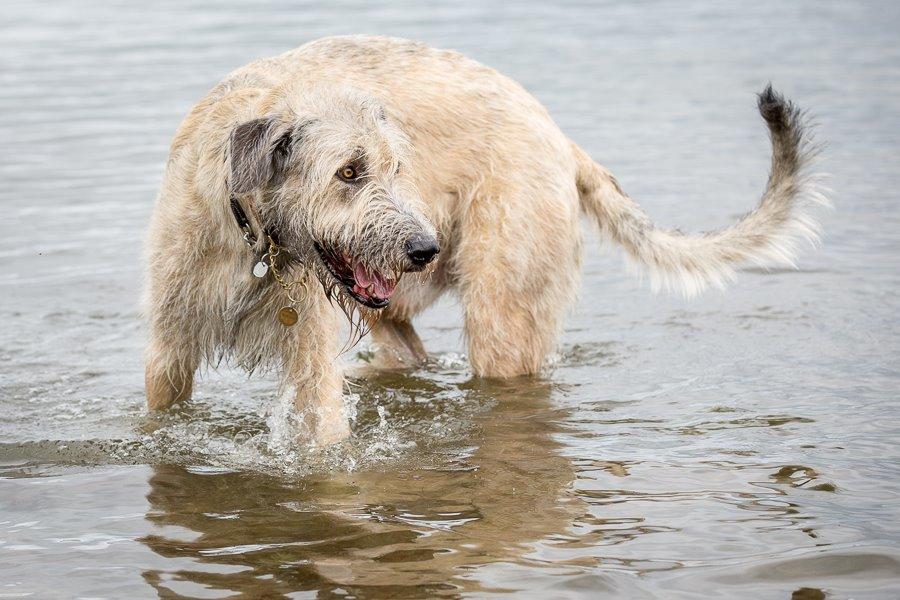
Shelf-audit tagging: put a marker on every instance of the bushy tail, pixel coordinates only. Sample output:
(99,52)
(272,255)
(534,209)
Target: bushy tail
(770,233)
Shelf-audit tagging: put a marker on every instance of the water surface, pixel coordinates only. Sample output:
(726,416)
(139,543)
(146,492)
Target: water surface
(740,445)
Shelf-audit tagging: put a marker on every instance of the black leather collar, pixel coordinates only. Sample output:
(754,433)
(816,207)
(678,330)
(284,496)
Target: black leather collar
(246,227)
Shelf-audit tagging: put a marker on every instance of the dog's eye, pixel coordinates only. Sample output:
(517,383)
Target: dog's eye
(348,173)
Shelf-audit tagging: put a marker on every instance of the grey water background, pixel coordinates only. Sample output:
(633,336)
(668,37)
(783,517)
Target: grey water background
(744,444)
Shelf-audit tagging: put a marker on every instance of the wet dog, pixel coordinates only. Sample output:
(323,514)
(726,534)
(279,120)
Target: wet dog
(375,174)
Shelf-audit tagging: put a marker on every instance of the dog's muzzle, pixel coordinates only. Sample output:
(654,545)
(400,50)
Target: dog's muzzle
(364,284)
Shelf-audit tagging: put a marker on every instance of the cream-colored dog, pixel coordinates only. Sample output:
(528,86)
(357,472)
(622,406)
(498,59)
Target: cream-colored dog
(324,175)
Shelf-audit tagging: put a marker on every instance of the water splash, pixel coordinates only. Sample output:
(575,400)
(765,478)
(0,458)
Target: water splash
(237,424)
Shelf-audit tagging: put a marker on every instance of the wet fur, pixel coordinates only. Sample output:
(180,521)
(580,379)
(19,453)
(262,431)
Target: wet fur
(456,150)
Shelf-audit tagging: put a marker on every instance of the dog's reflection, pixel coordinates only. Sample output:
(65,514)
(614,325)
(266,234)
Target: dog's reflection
(403,533)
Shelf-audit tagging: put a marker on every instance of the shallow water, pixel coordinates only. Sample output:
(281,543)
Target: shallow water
(739,445)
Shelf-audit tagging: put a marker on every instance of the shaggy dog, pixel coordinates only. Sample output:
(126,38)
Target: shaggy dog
(375,174)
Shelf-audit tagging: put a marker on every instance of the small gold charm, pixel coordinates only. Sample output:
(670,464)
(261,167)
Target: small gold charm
(288,316)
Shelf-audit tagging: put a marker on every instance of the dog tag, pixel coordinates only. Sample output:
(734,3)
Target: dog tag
(260,269)
(288,316)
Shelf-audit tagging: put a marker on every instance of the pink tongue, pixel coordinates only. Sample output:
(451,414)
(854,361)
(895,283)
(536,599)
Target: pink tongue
(373,286)
(362,278)
(382,288)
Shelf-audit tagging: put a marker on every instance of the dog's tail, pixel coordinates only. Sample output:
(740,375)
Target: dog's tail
(770,233)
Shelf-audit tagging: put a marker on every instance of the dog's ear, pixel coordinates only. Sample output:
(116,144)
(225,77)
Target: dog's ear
(258,151)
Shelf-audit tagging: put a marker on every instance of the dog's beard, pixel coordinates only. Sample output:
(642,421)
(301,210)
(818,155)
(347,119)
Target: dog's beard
(360,318)
(351,282)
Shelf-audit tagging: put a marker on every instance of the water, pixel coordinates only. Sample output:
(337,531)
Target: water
(739,445)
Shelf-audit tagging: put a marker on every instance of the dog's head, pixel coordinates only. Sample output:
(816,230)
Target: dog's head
(332,173)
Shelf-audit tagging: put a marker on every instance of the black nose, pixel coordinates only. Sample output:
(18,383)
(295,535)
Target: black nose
(421,250)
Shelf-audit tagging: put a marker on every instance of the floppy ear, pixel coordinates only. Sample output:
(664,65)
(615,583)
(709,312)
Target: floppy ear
(258,149)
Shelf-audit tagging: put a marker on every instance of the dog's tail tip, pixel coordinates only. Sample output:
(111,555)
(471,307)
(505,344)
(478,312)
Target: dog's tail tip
(774,108)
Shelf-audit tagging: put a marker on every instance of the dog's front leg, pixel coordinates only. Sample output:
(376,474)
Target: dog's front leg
(312,371)
(319,403)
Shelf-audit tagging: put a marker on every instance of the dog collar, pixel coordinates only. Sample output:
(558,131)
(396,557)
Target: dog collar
(243,222)
(287,315)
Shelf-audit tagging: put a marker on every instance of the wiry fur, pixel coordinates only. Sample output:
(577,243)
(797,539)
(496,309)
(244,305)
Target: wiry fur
(688,264)
(452,149)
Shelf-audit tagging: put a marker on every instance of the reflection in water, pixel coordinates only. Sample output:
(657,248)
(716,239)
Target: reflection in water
(408,532)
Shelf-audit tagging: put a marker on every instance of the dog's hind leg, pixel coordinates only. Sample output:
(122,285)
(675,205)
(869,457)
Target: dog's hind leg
(518,268)
(396,344)
(394,339)
(507,338)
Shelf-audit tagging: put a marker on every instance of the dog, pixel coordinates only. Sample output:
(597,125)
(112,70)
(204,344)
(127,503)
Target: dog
(374,174)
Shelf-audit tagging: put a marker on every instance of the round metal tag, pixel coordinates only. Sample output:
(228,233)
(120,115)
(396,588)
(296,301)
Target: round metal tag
(288,316)
(260,269)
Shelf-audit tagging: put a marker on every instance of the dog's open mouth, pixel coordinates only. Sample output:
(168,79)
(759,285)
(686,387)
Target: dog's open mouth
(364,284)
